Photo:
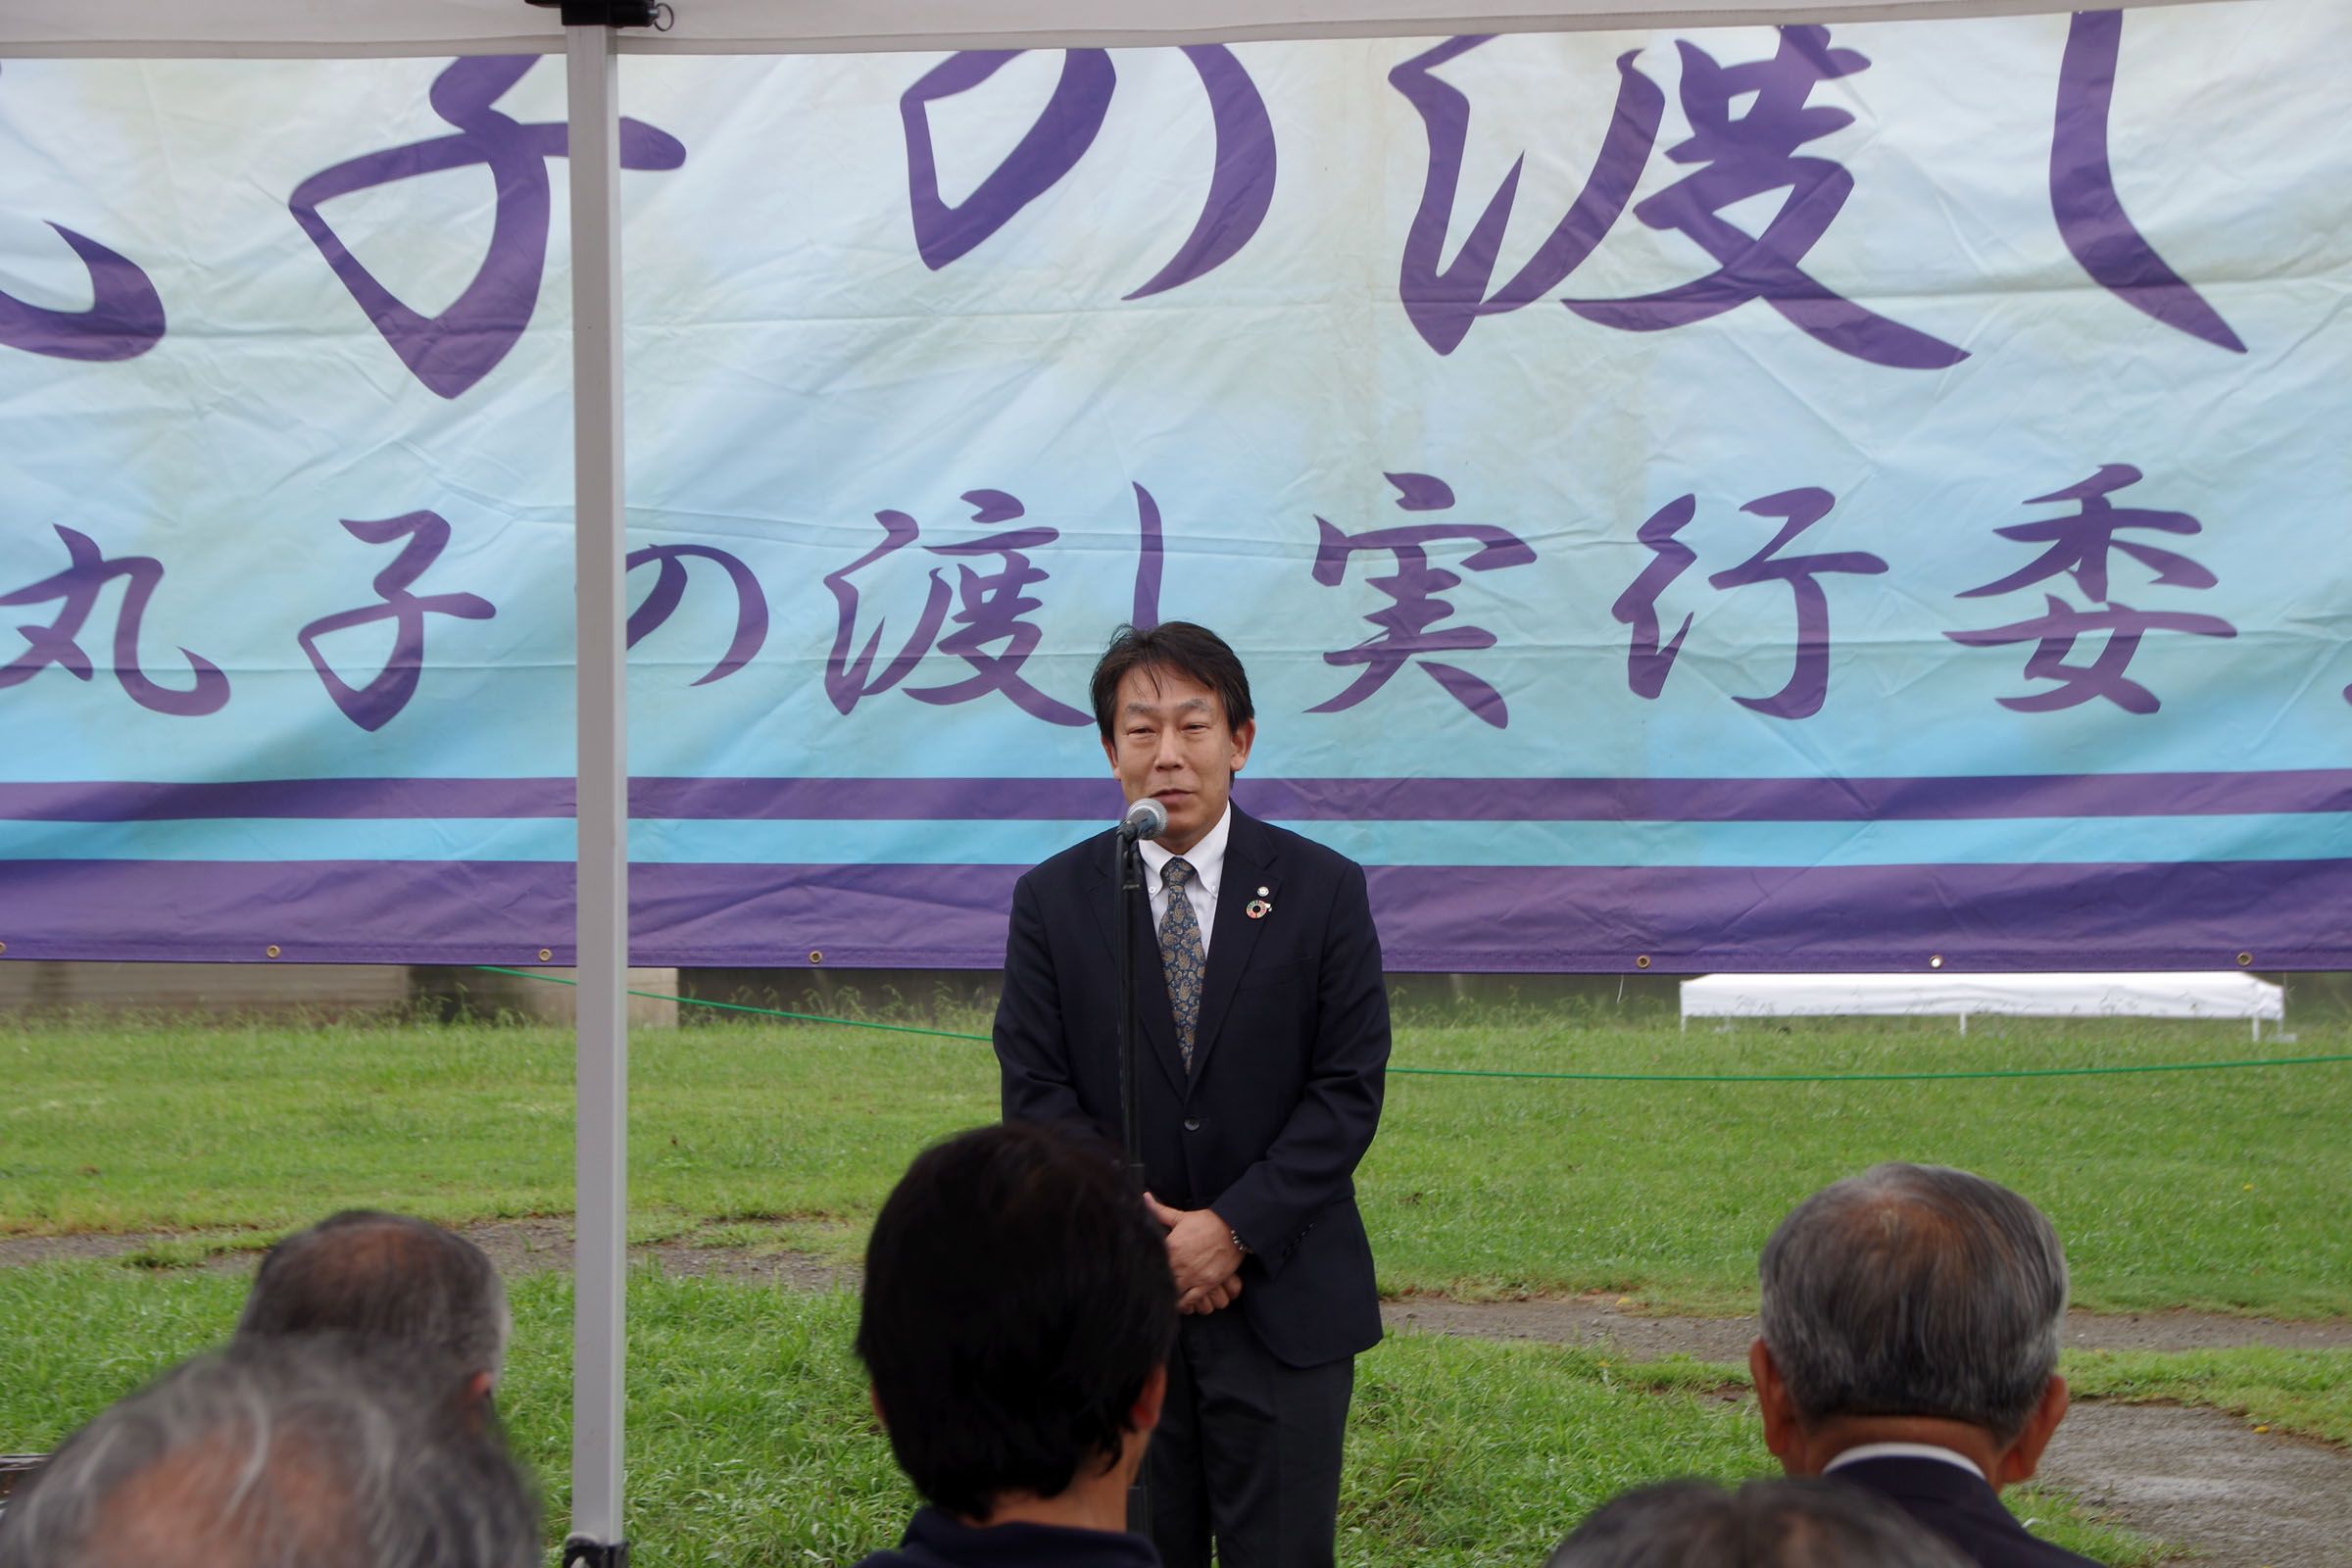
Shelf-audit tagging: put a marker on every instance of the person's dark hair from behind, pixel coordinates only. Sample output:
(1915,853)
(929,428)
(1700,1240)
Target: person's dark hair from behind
(308,1452)
(384,1278)
(1765,1524)
(1017,1301)
(1915,1290)
(1191,651)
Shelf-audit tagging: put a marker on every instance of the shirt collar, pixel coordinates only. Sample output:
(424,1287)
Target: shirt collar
(1902,1450)
(1207,858)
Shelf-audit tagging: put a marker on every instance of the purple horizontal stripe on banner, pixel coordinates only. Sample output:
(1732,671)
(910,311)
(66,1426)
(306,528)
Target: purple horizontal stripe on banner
(314,911)
(1364,799)
(1797,800)
(2199,915)
(328,799)
(878,800)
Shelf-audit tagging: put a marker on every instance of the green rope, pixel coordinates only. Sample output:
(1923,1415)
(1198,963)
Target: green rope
(1865,1077)
(1576,1077)
(736,1007)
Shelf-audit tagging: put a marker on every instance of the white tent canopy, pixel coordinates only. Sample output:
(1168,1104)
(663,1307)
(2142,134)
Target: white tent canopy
(2225,994)
(186,29)
(345,28)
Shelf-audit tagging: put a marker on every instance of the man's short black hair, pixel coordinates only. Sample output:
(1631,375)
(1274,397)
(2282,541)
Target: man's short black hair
(382,1278)
(1194,652)
(1017,1298)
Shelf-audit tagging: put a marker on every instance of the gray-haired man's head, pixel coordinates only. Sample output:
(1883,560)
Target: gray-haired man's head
(1765,1524)
(390,1279)
(310,1453)
(1915,1290)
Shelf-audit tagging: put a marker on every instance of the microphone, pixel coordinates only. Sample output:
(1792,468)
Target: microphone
(1146,818)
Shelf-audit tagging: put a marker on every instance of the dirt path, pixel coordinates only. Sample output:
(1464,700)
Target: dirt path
(2200,1477)
(2238,1498)
(1583,1320)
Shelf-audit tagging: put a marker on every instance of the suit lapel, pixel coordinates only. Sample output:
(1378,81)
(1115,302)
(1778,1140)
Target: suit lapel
(1249,865)
(1154,1012)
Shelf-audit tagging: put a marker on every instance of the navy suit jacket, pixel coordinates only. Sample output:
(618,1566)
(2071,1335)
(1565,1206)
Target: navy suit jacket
(1288,1063)
(936,1539)
(1961,1508)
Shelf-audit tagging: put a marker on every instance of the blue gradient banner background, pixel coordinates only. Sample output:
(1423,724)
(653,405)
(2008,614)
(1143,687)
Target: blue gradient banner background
(969,360)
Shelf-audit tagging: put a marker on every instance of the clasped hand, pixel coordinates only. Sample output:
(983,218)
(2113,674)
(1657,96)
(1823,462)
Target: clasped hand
(1200,1254)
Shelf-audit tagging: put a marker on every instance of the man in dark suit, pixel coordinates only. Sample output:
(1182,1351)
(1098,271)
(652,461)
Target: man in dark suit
(1910,1346)
(1264,1037)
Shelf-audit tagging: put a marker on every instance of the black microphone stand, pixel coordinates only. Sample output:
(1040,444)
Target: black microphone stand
(1131,1121)
(1130,850)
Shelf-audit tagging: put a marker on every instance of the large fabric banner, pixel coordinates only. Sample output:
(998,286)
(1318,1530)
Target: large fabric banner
(1862,497)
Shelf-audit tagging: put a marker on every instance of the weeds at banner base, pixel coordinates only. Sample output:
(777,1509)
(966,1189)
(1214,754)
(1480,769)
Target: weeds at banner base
(750,1439)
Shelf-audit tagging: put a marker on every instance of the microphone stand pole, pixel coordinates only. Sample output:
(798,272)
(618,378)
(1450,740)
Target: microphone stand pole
(1131,1121)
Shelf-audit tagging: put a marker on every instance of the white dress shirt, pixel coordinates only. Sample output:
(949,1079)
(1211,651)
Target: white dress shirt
(1207,861)
(1903,1450)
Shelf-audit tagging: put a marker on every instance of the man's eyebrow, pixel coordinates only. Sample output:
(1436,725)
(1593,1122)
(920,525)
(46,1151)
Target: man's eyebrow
(1188,705)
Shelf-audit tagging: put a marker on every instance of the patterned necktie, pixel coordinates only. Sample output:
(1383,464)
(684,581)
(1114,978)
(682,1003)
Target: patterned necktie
(1180,956)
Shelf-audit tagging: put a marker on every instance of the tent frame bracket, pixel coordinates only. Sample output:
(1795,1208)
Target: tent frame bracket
(609,12)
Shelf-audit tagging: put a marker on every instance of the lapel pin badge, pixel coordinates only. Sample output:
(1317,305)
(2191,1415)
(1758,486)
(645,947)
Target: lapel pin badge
(1258,908)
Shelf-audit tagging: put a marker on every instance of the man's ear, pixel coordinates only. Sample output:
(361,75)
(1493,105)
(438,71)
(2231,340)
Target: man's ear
(873,1397)
(2018,1461)
(1145,1412)
(1784,1432)
(1242,740)
(1111,753)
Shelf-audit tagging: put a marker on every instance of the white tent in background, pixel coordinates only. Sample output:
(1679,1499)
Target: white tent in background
(2223,994)
(351,28)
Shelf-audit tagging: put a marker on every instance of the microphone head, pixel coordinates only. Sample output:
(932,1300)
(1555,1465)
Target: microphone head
(1146,818)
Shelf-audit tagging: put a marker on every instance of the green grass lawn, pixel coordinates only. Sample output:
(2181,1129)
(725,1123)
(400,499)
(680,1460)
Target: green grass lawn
(750,1441)
(2213,1189)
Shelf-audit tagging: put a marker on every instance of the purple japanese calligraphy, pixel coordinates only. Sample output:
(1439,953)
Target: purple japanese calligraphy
(454,351)
(379,701)
(2082,197)
(1750,155)
(993,634)
(1647,664)
(1409,626)
(1240,187)
(849,677)
(124,319)
(76,589)
(1444,304)
(669,591)
(2079,544)
(992,608)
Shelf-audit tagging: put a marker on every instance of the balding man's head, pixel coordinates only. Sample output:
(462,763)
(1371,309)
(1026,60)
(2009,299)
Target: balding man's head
(1765,1524)
(290,1453)
(388,1279)
(1915,1290)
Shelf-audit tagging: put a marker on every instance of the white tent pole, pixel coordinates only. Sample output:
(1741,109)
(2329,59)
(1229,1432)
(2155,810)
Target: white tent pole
(602,1167)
